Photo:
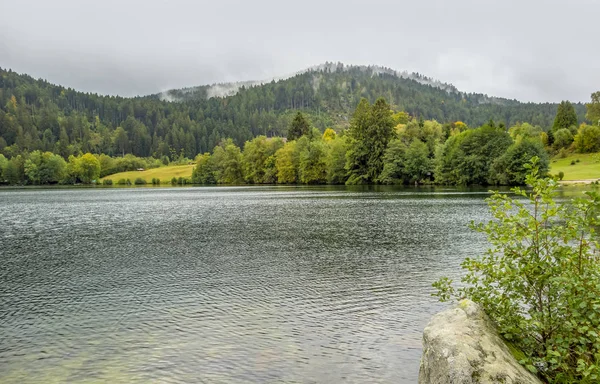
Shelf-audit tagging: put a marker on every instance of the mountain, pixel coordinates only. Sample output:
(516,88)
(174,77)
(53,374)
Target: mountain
(35,114)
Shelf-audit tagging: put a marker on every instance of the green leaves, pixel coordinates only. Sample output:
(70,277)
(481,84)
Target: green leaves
(540,280)
(370,131)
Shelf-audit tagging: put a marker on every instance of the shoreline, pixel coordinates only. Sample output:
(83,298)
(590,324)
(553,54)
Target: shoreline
(576,182)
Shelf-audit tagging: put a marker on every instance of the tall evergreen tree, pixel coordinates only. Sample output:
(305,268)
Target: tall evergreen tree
(298,127)
(371,129)
(357,156)
(380,133)
(566,116)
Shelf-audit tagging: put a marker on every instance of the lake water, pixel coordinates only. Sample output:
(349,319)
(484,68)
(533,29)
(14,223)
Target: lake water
(225,285)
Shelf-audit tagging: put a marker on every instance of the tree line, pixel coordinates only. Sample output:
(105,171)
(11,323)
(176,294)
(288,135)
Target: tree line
(383,147)
(380,146)
(37,115)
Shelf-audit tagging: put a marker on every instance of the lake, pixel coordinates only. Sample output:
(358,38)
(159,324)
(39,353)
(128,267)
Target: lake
(225,285)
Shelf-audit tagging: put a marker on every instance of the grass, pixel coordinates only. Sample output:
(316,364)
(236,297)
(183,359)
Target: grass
(165,174)
(588,166)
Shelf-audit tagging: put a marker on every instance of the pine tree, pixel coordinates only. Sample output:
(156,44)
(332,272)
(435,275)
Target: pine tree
(371,129)
(298,127)
(380,132)
(566,116)
(357,156)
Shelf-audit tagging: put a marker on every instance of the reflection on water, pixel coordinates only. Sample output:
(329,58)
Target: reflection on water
(225,284)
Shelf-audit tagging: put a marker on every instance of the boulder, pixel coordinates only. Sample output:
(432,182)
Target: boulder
(462,346)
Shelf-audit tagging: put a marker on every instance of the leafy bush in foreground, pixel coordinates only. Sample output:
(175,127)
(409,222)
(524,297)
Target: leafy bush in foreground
(540,280)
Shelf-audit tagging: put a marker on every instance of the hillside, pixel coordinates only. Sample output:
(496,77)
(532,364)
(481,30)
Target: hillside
(35,114)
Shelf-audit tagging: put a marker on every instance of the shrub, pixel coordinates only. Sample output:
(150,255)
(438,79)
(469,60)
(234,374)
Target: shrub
(155,181)
(572,162)
(139,181)
(123,182)
(181,181)
(107,182)
(540,280)
(577,161)
(561,175)
(174,181)
(562,153)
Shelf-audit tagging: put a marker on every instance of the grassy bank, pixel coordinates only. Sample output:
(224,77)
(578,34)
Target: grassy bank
(578,166)
(165,174)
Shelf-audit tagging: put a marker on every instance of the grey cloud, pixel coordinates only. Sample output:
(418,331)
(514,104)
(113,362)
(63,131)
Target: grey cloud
(532,50)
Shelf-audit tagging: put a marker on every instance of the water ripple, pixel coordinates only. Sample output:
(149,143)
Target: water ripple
(235,285)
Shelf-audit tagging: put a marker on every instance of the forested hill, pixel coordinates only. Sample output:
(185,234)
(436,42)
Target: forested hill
(35,114)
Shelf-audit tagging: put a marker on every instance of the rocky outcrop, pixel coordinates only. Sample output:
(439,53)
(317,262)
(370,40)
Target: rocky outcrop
(461,346)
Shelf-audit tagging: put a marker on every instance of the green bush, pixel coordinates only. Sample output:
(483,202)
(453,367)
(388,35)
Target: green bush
(139,181)
(155,181)
(174,181)
(561,175)
(540,280)
(123,182)
(107,182)
(572,162)
(562,153)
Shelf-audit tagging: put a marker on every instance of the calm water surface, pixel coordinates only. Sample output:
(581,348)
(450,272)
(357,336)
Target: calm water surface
(225,285)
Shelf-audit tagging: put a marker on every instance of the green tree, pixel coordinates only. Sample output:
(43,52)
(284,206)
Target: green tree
(593,109)
(512,167)
(587,139)
(312,166)
(357,156)
(227,158)
(566,117)
(45,168)
(255,155)
(525,131)
(63,143)
(298,127)
(370,131)
(204,171)
(540,280)
(394,170)
(400,118)
(563,138)
(466,158)
(286,162)
(121,140)
(270,176)
(336,161)
(88,168)
(3,164)
(31,167)
(329,135)
(13,171)
(418,165)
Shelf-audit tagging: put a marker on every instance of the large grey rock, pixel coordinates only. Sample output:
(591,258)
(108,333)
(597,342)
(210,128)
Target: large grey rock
(461,346)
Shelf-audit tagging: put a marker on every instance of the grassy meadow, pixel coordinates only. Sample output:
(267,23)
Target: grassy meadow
(588,166)
(165,174)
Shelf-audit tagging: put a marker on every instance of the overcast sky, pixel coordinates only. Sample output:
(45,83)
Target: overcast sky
(531,50)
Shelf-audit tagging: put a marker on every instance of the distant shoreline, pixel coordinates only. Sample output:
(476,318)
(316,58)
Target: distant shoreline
(575,182)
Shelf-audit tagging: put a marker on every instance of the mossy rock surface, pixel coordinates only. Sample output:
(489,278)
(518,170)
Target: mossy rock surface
(461,346)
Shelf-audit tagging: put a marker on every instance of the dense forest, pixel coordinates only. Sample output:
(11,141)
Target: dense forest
(39,119)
